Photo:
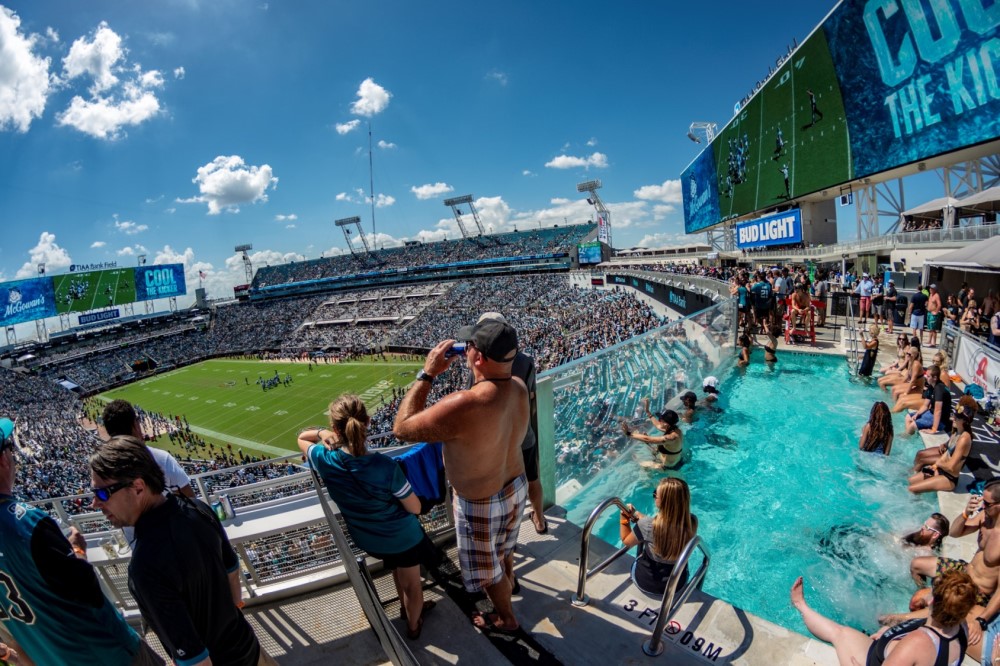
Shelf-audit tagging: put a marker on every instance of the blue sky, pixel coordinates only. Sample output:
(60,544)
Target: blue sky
(181,128)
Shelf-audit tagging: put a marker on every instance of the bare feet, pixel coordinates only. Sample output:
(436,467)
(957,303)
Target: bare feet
(798,596)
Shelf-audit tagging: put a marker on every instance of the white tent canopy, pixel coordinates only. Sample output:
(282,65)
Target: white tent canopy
(932,206)
(982,256)
(988,199)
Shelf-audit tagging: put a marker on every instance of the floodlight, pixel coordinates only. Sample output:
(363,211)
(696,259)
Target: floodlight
(243,248)
(41,269)
(343,222)
(454,201)
(589,186)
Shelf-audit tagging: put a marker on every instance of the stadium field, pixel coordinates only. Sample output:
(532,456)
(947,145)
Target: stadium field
(223,403)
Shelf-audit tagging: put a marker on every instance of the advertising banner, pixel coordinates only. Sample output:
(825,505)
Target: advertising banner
(100,315)
(26,300)
(159,282)
(881,84)
(977,367)
(678,299)
(778,229)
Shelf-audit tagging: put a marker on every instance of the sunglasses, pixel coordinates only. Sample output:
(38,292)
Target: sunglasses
(927,527)
(105,493)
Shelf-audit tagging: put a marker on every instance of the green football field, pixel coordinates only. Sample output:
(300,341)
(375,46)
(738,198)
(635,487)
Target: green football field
(223,402)
(79,292)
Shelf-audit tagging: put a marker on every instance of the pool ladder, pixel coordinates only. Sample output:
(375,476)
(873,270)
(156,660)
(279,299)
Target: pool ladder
(654,646)
(851,338)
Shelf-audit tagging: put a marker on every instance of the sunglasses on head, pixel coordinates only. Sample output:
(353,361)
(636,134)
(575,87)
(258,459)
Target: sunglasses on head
(105,493)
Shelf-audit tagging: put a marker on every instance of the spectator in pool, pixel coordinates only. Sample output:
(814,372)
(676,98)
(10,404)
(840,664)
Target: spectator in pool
(943,475)
(689,402)
(930,534)
(744,359)
(876,435)
(938,639)
(660,538)
(668,448)
(710,385)
(934,414)
(376,500)
(871,343)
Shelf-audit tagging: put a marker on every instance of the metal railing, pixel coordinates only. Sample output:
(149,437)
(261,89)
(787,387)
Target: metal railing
(851,338)
(669,602)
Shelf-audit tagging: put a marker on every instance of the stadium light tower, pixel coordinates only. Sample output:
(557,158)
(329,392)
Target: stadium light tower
(345,224)
(41,268)
(243,249)
(454,205)
(603,214)
(141,259)
(699,130)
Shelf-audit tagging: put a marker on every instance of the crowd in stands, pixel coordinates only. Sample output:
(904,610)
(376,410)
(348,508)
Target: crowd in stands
(513,244)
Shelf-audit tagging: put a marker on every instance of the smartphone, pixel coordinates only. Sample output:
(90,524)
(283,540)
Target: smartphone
(457,349)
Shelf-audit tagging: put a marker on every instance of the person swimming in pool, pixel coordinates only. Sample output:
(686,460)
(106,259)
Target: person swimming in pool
(667,448)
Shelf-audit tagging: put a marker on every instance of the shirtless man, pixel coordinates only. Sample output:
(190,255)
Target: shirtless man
(801,307)
(935,318)
(981,515)
(482,429)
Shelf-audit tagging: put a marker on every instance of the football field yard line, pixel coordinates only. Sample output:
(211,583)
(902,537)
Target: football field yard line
(232,439)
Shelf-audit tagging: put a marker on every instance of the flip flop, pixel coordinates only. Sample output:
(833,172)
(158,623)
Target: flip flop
(488,623)
(428,605)
(414,634)
(544,530)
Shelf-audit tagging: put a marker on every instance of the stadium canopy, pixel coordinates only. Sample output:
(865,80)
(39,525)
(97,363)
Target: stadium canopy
(986,201)
(936,209)
(981,257)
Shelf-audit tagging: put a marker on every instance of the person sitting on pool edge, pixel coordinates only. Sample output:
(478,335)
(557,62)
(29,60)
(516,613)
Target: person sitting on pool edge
(931,454)
(661,538)
(943,475)
(938,639)
(668,447)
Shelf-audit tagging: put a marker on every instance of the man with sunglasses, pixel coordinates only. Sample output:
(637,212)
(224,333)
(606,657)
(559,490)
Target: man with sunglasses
(50,599)
(981,514)
(184,573)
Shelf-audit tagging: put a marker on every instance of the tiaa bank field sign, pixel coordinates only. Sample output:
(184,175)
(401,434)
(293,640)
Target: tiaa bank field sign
(778,229)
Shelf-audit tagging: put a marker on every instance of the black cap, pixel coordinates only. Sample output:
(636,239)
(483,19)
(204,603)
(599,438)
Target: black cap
(495,340)
(670,417)
(690,395)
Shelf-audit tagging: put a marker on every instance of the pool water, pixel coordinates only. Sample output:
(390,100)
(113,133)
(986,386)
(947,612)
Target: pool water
(781,490)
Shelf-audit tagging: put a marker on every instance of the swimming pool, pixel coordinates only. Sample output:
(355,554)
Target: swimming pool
(779,487)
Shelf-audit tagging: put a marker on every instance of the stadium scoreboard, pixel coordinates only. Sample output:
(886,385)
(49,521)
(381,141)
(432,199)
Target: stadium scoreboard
(589,253)
(877,86)
(49,296)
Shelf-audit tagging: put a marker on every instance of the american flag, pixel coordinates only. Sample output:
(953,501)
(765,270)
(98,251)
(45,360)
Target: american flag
(202,275)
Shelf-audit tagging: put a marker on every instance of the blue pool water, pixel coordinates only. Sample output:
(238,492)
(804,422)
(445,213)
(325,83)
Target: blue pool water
(781,490)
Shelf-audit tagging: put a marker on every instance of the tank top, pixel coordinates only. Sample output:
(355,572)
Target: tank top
(876,653)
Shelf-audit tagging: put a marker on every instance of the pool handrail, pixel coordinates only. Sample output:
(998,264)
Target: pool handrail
(668,606)
(580,598)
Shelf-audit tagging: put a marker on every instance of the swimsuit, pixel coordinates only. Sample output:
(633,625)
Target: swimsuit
(949,564)
(876,653)
(486,531)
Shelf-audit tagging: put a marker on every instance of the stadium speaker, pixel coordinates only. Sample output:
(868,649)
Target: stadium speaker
(898,266)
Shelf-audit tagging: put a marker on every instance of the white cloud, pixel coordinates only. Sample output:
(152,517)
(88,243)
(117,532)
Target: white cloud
(226,182)
(286,218)
(154,199)
(128,227)
(592,142)
(179,73)
(385,145)
(430,191)
(559,201)
(498,76)
(97,244)
(52,35)
(596,160)
(528,172)
(660,211)
(372,99)
(663,239)
(171,210)
(24,77)
(384,200)
(348,127)
(126,252)
(289,226)
(47,252)
(343,196)
(113,103)
(669,192)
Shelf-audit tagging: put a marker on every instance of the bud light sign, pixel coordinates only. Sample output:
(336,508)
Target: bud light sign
(779,229)
(25,300)
(163,281)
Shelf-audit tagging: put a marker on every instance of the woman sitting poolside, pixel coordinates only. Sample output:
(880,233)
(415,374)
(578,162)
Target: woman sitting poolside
(902,344)
(943,475)
(660,538)
(903,374)
(939,639)
(914,382)
(915,400)
(877,434)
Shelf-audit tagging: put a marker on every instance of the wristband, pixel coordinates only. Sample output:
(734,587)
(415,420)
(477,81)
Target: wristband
(79,551)
(6,654)
(241,604)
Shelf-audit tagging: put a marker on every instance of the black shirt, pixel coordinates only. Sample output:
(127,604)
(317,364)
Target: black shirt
(919,304)
(179,577)
(942,395)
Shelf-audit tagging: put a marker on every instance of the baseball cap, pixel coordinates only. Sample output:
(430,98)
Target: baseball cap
(496,340)
(710,381)
(690,395)
(669,417)
(864,275)
(933,286)
(892,282)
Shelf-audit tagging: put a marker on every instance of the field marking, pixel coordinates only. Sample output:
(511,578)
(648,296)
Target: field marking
(232,439)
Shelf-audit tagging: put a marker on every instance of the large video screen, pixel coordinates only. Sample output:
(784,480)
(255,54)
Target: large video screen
(38,298)
(589,253)
(877,86)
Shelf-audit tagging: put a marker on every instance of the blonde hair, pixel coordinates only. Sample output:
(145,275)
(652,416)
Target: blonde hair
(874,330)
(673,526)
(349,419)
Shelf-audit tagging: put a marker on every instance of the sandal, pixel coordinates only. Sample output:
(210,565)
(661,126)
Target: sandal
(544,530)
(489,622)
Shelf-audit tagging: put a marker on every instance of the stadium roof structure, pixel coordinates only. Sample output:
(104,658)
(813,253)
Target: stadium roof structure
(987,200)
